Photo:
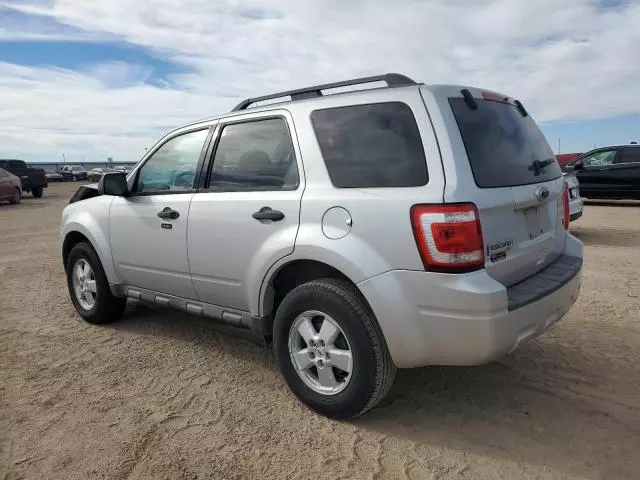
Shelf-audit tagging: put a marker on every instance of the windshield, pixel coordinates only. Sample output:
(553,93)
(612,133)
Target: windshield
(505,148)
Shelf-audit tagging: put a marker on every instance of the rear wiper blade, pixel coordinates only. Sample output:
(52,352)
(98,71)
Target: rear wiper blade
(538,165)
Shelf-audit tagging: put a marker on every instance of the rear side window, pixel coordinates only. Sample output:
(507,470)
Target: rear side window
(375,145)
(255,155)
(630,155)
(17,164)
(504,148)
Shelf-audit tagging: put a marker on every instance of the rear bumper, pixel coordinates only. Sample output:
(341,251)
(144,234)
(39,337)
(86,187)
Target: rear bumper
(575,216)
(440,319)
(575,208)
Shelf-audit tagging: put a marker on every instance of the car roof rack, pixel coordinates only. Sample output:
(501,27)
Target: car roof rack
(392,80)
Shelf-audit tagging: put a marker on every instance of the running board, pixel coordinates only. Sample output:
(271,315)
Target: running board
(229,316)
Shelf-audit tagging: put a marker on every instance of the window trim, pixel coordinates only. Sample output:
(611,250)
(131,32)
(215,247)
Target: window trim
(205,186)
(363,104)
(158,146)
(593,153)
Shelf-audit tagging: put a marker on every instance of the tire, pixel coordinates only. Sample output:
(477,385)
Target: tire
(372,369)
(16,197)
(37,192)
(106,308)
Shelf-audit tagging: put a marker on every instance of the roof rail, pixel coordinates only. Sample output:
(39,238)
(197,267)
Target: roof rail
(392,80)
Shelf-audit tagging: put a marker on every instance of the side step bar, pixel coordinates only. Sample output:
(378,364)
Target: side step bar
(261,326)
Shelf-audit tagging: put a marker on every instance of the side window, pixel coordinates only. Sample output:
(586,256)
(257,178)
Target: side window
(376,145)
(599,159)
(17,164)
(173,166)
(256,155)
(629,155)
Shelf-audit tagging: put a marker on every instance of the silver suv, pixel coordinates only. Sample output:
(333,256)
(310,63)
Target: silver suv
(356,230)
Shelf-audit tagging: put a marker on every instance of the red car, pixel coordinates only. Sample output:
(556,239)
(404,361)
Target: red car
(10,187)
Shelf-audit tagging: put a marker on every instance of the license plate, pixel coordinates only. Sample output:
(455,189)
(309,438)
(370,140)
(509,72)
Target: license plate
(532,217)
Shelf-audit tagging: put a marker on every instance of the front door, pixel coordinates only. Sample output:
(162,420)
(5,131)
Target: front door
(247,216)
(148,229)
(594,176)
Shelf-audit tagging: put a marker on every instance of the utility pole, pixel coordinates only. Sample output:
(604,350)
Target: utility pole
(64,160)
(558,145)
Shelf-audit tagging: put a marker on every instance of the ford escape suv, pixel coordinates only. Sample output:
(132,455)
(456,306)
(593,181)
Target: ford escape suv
(357,230)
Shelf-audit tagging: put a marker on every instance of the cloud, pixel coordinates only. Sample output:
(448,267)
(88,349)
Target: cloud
(575,59)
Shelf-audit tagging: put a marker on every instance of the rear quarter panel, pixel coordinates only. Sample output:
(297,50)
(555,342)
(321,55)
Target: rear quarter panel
(380,237)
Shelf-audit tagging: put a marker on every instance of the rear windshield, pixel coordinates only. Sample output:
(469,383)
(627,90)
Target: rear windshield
(374,145)
(504,148)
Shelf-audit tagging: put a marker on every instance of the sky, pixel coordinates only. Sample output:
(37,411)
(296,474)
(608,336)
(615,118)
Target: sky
(99,79)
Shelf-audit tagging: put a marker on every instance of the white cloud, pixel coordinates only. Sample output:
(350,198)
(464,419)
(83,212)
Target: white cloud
(565,60)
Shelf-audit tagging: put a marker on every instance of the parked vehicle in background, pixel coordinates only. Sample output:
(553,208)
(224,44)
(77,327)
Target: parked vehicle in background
(95,174)
(54,177)
(73,172)
(122,168)
(608,172)
(575,201)
(10,187)
(356,232)
(33,180)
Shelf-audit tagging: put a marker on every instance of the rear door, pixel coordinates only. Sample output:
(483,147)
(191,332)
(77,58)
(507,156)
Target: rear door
(247,216)
(626,172)
(495,156)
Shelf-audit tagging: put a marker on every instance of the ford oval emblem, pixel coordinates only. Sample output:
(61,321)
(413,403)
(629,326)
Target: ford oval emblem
(542,193)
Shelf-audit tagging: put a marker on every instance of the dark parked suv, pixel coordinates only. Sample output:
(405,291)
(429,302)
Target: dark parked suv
(608,172)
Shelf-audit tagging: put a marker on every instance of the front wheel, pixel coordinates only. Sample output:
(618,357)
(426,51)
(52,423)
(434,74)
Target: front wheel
(331,350)
(89,287)
(37,192)
(16,197)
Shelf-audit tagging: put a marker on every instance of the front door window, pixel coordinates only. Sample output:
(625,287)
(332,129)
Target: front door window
(173,166)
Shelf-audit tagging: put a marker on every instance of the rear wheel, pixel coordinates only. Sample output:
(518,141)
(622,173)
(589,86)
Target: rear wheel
(37,192)
(16,197)
(89,287)
(331,350)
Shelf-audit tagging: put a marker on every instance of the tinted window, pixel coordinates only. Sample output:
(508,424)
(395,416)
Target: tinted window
(255,155)
(630,155)
(17,164)
(599,158)
(173,166)
(502,145)
(376,145)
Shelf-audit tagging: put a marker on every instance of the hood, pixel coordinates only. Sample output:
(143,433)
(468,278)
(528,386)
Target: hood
(85,192)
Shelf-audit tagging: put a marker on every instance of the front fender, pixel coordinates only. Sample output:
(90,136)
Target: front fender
(91,219)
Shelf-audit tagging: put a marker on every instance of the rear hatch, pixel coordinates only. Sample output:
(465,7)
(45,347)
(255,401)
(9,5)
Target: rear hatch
(496,157)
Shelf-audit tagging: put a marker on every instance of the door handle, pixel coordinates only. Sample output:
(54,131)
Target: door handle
(265,213)
(168,212)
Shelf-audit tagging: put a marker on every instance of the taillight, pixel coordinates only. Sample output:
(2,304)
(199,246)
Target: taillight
(449,237)
(565,201)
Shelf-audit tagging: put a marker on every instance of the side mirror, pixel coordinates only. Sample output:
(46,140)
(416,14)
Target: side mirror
(579,165)
(113,183)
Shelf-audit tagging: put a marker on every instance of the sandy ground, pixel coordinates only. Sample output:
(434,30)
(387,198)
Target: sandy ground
(165,395)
